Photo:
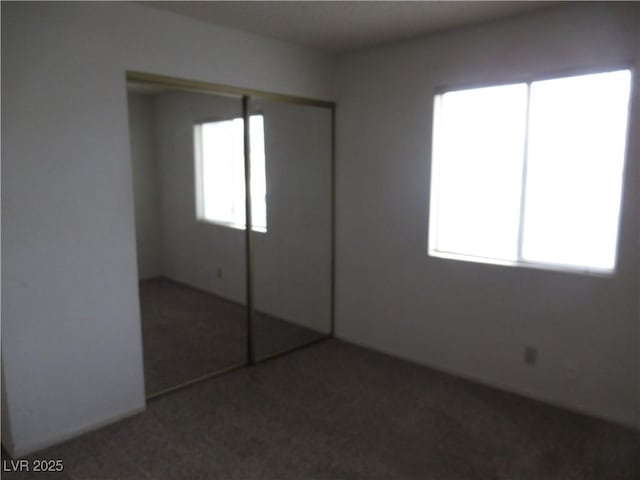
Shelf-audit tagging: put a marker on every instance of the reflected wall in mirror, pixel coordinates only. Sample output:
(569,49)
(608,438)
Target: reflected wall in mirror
(293,258)
(189,211)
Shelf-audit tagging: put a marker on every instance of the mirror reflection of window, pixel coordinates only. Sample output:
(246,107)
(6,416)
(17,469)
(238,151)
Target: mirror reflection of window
(219,157)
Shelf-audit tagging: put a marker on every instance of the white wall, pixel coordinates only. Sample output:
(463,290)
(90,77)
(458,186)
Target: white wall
(71,332)
(145,184)
(473,319)
(293,258)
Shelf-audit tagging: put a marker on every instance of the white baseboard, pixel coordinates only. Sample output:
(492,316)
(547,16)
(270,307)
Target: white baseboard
(491,382)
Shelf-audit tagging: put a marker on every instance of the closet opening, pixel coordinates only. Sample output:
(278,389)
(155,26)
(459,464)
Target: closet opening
(229,275)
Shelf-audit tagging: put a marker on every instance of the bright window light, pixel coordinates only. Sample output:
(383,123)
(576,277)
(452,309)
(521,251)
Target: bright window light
(478,144)
(531,173)
(219,162)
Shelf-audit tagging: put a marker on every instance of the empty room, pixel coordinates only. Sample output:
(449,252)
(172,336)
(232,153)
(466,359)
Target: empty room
(320,240)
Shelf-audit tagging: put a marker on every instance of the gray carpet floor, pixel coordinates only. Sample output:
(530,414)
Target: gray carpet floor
(188,333)
(336,411)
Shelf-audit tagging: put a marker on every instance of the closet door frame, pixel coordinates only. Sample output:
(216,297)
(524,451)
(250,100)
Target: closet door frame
(247,96)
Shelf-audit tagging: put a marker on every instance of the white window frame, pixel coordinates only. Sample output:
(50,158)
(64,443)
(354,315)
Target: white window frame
(432,220)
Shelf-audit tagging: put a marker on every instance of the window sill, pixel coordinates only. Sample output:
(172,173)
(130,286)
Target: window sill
(571,269)
(235,226)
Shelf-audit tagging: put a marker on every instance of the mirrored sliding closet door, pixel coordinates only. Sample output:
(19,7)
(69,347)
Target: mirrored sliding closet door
(291,176)
(187,153)
(233,193)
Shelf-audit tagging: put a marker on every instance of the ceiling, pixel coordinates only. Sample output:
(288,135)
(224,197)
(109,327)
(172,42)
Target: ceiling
(341,27)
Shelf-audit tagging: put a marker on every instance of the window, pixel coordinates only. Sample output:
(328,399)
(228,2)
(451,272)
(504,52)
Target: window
(531,173)
(220,182)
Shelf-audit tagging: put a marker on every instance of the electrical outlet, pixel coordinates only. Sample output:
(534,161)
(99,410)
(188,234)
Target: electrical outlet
(530,356)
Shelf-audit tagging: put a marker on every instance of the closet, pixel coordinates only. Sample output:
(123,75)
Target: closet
(233,193)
